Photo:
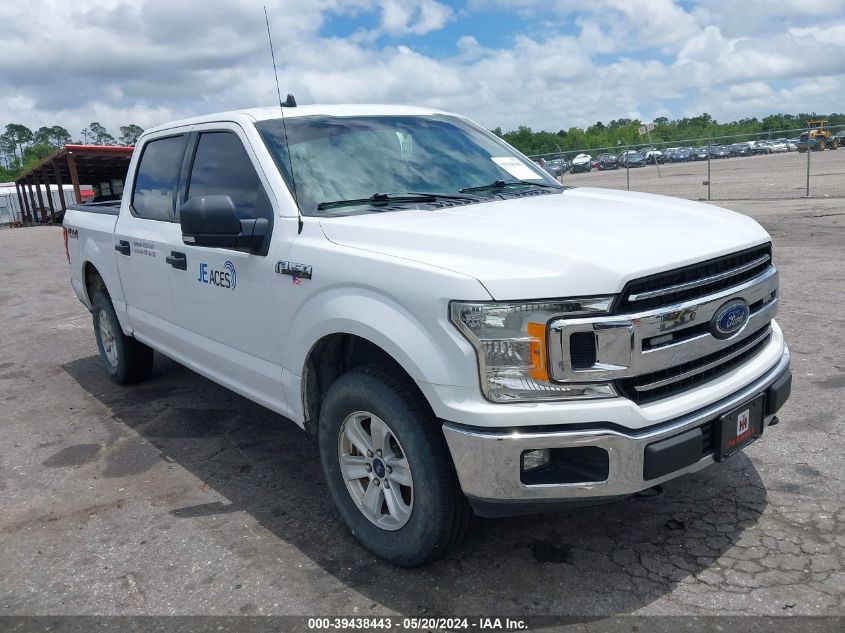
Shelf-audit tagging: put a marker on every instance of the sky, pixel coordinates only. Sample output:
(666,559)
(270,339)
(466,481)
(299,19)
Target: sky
(548,64)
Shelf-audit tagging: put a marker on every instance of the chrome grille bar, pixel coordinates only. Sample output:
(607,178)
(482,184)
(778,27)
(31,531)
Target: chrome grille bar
(748,343)
(641,296)
(619,339)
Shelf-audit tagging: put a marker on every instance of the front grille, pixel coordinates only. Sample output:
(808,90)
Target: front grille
(628,387)
(668,289)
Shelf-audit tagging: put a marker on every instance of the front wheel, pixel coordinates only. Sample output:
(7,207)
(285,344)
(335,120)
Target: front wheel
(388,468)
(126,359)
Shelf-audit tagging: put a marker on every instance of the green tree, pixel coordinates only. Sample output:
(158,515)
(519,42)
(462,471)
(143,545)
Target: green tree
(129,134)
(59,136)
(42,136)
(97,134)
(20,135)
(8,149)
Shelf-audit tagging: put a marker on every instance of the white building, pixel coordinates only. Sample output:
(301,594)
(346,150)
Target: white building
(10,207)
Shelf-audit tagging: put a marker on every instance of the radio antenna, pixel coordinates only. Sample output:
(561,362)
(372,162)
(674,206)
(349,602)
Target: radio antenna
(290,102)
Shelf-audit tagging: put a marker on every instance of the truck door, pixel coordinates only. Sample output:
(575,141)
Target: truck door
(142,238)
(227,301)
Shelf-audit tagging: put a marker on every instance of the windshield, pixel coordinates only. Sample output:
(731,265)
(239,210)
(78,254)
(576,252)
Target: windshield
(350,158)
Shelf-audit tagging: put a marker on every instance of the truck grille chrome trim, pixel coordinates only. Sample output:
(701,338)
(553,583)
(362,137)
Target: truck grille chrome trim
(722,358)
(704,281)
(694,281)
(658,352)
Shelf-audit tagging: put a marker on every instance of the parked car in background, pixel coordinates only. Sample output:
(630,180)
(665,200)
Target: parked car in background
(740,149)
(720,151)
(778,147)
(543,164)
(581,163)
(653,156)
(679,155)
(699,153)
(760,147)
(607,161)
(631,158)
(557,167)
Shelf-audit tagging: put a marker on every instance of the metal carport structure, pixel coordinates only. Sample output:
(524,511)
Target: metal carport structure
(74,164)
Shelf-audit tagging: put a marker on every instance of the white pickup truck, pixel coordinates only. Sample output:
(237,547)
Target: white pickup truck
(457,331)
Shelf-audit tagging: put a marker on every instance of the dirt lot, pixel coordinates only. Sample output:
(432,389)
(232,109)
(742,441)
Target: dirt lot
(179,497)
(771,176)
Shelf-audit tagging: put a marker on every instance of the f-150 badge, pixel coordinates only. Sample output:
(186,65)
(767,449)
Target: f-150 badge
(297,271)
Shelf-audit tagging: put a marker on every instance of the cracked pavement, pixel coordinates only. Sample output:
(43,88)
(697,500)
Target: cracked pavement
(179,497)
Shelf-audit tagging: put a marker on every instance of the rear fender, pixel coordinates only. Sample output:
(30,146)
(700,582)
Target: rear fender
(100,253)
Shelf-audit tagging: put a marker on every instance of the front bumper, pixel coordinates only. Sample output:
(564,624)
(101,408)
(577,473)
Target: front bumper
(488,462)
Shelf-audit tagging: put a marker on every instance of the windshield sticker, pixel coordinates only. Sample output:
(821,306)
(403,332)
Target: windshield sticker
(406,144)
(516,168)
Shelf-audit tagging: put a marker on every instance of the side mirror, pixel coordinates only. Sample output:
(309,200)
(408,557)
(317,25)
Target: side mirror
(213,221)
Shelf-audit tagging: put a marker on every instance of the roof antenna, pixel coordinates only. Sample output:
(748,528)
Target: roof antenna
(290,102)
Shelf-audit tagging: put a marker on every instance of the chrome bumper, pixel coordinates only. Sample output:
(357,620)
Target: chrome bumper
(488,463)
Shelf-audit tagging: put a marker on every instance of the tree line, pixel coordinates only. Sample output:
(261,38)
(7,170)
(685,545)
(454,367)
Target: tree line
(22,148)
(619,133)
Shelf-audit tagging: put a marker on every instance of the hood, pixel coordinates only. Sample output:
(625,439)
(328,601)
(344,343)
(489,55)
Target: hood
(581,242)
(581,159)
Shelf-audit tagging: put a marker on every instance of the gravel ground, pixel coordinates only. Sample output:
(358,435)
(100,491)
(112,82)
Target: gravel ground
(772,176)
(178,497)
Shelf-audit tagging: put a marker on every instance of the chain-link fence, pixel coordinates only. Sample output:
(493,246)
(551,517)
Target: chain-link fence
(784,164)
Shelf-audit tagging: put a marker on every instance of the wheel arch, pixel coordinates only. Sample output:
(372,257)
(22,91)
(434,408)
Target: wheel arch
(335,354)
(93,281)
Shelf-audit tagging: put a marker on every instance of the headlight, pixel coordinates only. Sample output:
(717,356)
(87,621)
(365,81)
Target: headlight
(510,340)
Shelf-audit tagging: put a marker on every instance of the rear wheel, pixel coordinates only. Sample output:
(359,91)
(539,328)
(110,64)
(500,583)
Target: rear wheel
(126,360)
(388,468)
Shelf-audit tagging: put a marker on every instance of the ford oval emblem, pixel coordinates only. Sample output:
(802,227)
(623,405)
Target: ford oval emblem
(729,319)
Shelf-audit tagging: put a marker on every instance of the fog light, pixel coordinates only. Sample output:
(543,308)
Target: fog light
(532,460)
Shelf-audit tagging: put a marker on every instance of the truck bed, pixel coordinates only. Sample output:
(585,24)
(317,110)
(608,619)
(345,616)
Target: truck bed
(109,207)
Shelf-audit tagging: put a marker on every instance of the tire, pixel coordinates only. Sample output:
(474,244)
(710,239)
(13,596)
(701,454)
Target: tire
(438,516)
(126,360)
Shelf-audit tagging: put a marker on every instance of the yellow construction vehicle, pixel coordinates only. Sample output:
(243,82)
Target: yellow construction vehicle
(817,137)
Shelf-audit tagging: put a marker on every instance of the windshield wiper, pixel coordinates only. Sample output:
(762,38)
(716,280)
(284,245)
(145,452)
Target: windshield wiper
(504,184)
(382,199)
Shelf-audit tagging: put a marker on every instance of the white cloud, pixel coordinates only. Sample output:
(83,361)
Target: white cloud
(400,17)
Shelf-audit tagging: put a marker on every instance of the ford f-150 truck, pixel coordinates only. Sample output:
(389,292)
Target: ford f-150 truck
(458,332)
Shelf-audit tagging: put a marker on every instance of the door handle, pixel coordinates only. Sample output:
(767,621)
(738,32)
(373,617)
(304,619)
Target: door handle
(122,247)
(177,260)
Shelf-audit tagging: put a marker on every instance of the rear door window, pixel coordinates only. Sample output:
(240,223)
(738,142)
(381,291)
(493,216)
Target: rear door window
(154,192)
